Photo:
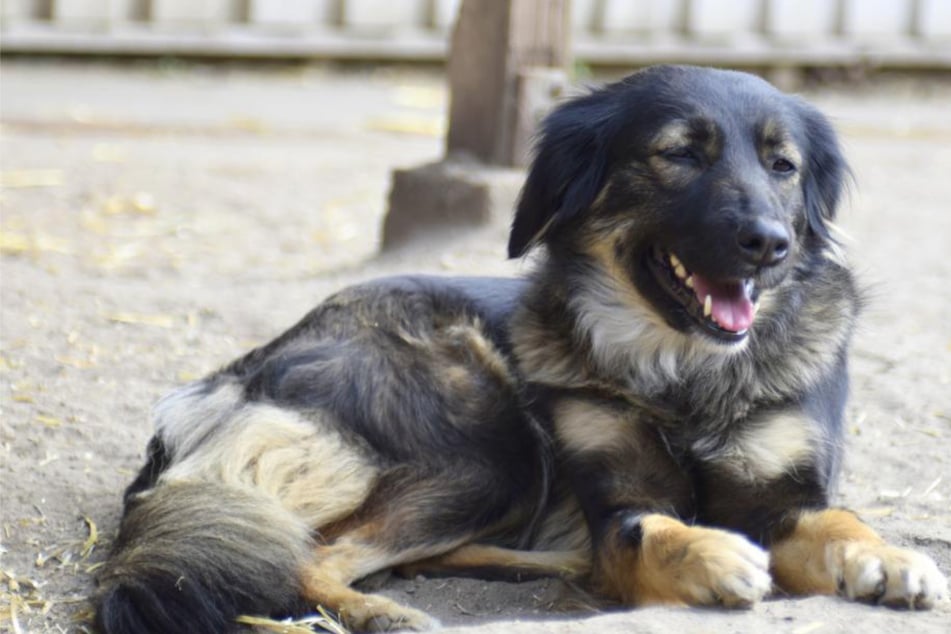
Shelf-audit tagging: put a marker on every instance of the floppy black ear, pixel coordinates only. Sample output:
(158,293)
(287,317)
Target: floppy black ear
(826,173)
(568,171)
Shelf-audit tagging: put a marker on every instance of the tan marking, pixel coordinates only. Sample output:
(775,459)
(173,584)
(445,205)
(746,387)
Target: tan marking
(671,136)
(771,447)
(583,427)
(684,565)
(775,142)
(766,304)
(456,379)
(776,138)
(512,563)
(304,464)
(484,351)
(356,553)
(326,583)
(601,197)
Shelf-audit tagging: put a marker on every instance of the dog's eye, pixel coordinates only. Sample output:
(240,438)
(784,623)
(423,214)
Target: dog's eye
(683,154)
(783,166)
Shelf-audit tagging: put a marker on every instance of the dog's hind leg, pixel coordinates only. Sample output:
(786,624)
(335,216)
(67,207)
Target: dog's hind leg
(485,561)
(326,582)
(415,513)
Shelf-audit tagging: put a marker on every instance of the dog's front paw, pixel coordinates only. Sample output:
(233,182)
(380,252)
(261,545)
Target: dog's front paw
(701,566)
(722,568)
(886,575)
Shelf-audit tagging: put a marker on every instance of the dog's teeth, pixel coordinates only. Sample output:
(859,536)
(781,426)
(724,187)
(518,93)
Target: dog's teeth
(689,282)
(680,271)
(675,261)
(707,306)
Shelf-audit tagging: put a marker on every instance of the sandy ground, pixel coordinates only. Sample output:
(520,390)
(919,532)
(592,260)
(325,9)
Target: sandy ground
(158,220)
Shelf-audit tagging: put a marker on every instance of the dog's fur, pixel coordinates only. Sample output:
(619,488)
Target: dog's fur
(589,421)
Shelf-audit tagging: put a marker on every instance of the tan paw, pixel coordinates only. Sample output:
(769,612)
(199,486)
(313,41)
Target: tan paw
(886,575)
(726,569)
(705,566)
(378,614)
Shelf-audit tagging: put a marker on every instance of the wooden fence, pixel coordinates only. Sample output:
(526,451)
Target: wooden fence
(880,33)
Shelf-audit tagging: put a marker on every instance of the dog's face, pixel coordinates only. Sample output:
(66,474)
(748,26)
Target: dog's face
(702,187)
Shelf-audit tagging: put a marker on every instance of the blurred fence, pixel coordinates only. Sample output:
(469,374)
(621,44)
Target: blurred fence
(880,33)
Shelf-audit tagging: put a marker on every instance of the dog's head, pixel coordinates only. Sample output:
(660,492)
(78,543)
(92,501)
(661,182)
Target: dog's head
(703,187)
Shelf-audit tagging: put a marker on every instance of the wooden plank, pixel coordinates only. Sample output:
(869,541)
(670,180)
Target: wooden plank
(82,12)
(585,15)
(300,14)
(801,19)
(900,54)
(12,11)
(642,16)
(139,39)
(877,18)
(205,12)
(714,19)
(934,19)
(145,39)
(374,15)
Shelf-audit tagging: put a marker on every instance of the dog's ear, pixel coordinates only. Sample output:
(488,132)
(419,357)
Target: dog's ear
(826,174)
(568,171)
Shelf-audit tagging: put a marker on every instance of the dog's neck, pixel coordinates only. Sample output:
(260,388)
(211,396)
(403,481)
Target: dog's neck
(604,335)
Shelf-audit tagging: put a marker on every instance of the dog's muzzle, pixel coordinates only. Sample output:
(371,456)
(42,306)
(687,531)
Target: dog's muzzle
(725,309)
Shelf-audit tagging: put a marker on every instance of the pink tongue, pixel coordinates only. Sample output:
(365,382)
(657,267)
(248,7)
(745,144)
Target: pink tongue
(731,307)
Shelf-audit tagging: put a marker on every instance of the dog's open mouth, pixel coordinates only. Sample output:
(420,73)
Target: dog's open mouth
(725,309)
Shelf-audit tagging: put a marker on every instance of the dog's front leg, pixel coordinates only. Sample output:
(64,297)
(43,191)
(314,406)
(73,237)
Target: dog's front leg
(831,551)
(653,558)
(772,483)
(632,492)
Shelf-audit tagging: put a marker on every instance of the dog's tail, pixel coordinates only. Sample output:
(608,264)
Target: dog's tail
(193,556)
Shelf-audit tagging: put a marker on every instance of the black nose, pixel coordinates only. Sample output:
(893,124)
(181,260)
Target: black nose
(763,242)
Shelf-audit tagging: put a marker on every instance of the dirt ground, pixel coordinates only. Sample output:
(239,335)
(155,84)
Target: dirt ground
(159,219)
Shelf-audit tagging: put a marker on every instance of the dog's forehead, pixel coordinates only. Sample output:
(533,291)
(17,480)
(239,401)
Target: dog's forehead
(710,87)
(692,102)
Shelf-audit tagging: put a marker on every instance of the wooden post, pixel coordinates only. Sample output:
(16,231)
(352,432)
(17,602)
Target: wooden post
(496,46)
(507,64)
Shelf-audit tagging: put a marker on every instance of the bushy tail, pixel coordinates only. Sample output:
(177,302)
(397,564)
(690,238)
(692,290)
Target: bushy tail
(192,556)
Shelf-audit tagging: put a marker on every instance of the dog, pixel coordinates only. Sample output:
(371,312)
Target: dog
(656,411)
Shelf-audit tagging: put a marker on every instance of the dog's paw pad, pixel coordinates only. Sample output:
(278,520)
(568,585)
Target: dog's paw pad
(891,576)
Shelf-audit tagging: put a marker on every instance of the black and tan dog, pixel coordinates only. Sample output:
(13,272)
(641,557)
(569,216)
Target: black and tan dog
(657,410)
